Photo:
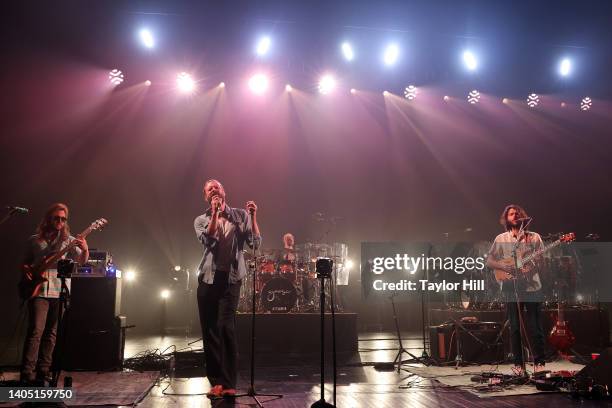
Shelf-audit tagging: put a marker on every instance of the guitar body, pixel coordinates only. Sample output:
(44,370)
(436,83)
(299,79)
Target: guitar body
(561,337)
(501,275)
(30,288)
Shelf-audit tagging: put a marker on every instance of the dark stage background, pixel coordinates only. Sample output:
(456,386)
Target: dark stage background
(387,169)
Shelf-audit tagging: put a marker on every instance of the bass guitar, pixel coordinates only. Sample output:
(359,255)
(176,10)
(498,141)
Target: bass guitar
(33,275)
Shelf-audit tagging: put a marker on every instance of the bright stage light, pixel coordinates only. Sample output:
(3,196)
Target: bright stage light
(505,100)
(146,37)
(563,104)
(349,264)
(473,97)
(263,46)
(347,51)
(353,91)
(147,83)
(327,84)
(165,294)
(221,84)
(565,67)
(410,92)
(470,61)
(115,77)
(258,83)
(177,268)
(391,54)
(586,103)
(288,88)
(446,98)
(185,83)
(533,100)
(130,275)
(385,93)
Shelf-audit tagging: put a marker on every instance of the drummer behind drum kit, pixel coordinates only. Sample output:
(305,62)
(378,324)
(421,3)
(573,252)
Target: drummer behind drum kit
(284,286)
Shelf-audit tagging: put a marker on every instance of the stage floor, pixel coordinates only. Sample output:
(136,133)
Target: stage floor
(359,384)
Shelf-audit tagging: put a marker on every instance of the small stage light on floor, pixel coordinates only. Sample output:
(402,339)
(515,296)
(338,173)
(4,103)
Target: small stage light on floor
(563,104)
(533,100)
(185,83)
(147,83)
(586,103)
(446,98)
(410,92)
(177,268)
(473,97)
(288,88)
(221,84)
(115,77)
(353,91)
(505,100)
(385,93)
(164,294)
(130,275)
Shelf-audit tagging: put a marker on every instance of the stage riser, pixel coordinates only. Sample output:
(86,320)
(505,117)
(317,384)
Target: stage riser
(296,333)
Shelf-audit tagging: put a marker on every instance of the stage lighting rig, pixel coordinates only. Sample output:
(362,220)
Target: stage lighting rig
(116,77)
(410,92)
(473,97)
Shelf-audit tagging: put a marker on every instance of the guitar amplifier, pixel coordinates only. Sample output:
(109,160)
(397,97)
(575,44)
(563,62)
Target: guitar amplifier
(95,302)
(478,342)
(94,348)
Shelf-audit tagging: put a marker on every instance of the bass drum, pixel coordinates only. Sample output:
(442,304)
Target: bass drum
(278,296)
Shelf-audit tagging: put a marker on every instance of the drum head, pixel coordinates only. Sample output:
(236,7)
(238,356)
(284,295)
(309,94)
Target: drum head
(278,296)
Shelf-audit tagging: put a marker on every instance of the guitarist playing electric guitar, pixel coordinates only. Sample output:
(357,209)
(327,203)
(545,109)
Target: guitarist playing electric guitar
(521,287)
(52,235)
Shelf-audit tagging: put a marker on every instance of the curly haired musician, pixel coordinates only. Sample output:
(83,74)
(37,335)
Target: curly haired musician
(52,235)
(223,231)
(524,291)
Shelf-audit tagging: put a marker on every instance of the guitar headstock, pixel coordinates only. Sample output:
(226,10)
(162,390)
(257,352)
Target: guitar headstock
(569,237)
(98,224)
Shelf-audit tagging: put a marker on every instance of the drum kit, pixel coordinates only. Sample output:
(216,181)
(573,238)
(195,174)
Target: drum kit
(286,282)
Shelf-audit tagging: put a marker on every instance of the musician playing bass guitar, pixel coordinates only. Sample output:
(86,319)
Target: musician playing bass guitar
(52,235)
(521,286)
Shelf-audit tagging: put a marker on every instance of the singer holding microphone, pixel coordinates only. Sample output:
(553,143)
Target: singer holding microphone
(223,231)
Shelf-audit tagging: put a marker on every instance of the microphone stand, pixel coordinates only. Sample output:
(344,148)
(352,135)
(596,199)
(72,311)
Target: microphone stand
(252,392)
(514,255)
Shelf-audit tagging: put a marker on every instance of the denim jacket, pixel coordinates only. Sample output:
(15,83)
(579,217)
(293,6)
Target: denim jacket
(243,234)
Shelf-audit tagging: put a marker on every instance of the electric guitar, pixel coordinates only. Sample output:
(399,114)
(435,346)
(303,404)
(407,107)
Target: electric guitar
(561,337)
(502,275)
(30,287)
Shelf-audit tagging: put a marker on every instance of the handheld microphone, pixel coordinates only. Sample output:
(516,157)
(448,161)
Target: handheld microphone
(18,210)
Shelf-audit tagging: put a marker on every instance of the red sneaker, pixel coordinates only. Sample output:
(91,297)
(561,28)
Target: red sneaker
(229,392)
(215,392)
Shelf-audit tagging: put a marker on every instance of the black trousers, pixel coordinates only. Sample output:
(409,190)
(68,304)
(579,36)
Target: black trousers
(533,326)
(217,304)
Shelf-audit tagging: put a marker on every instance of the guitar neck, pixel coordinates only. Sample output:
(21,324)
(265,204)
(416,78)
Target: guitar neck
(539,252)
